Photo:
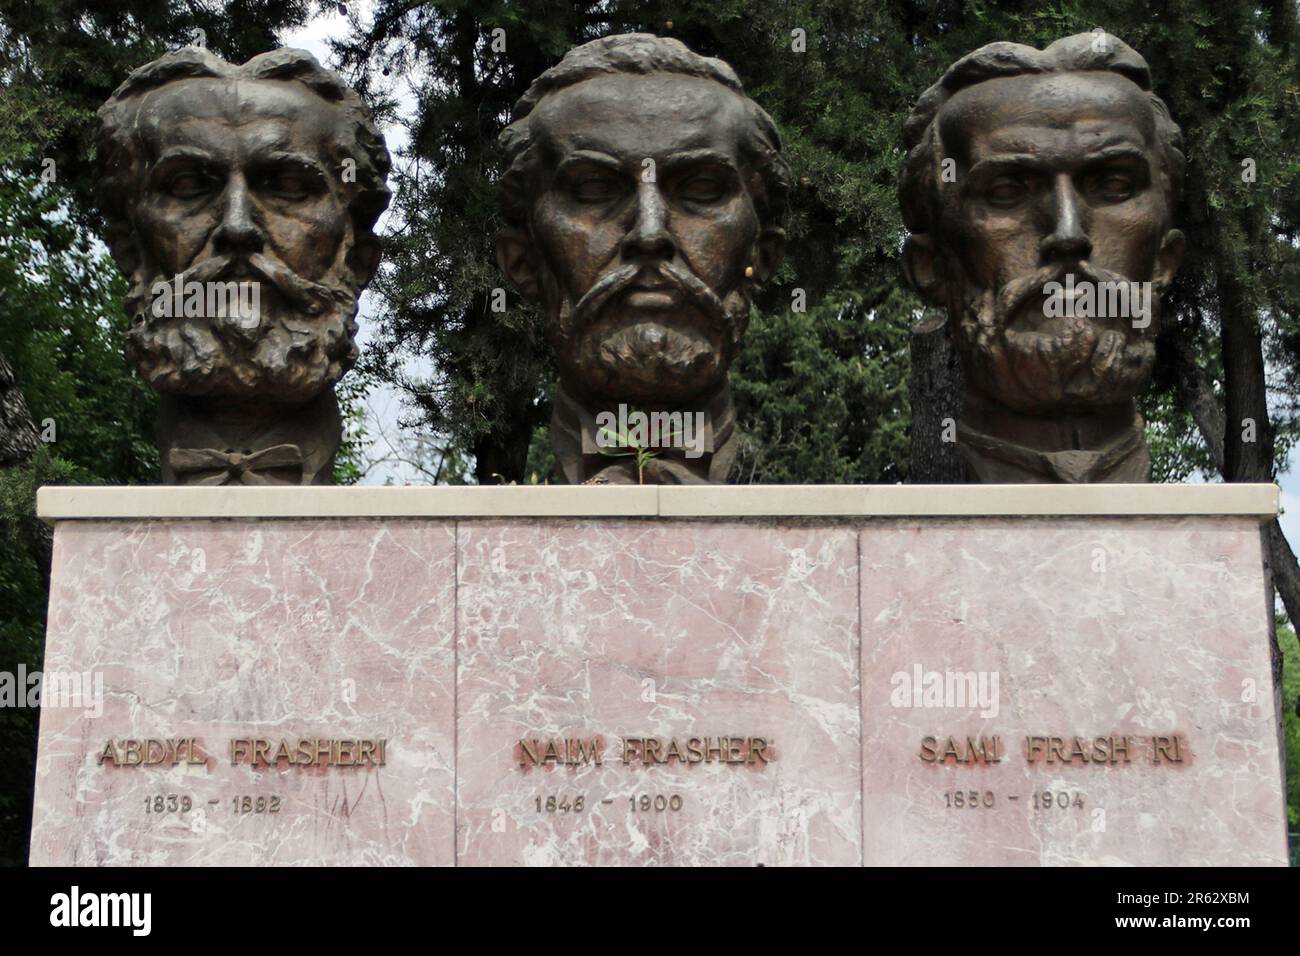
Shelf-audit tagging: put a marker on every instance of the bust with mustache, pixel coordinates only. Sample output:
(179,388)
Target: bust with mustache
(642,200)
(1038,191)
(241,202)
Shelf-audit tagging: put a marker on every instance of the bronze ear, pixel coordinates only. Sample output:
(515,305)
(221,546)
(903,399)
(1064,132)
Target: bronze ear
(1169,258)
(516,258)
(363,259)
(921,268)
(770,252)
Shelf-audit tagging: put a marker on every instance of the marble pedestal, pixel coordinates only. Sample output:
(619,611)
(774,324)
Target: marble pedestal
(1027,675)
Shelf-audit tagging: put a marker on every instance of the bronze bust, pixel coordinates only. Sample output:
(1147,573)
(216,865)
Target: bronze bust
(642,198)
(241,202)
(1039,188)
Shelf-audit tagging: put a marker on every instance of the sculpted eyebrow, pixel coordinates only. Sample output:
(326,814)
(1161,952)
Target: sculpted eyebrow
(1117,152)
(305,163)
(176,154)
(581,156)
(691,157)
(1031,161)
(181,154)
(1008,161)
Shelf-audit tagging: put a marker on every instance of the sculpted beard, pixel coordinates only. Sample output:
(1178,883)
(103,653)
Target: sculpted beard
(1074,363)
(652,356)
(300,342)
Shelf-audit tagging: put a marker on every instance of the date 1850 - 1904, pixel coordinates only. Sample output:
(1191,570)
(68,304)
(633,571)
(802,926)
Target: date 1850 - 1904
(987,799)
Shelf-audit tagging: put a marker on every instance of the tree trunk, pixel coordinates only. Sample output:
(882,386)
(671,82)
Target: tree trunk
(1197,393)
(18,437)
(501,460)
(18,443)
(1247,435)
(1285,569)
(935,392)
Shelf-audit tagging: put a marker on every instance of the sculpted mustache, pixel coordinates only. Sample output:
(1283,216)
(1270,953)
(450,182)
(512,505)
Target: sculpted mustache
(616,282)
(309,296)
(1018,292)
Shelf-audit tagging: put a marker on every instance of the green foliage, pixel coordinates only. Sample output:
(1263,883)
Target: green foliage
(619,444)
(1290,647)
(823,394)
(1177,451)
(350,462)
(542,468)
(61,326)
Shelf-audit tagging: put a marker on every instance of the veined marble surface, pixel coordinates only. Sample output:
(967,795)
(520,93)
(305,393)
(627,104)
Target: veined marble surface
(1094,629)
(224,630)
(625,628)
(453,640)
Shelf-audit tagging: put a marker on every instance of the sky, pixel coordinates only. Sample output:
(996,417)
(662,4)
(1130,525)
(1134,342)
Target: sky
(384,404)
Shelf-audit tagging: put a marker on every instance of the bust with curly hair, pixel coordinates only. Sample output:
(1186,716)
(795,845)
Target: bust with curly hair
(1039,189)
(643,199)
(241,202)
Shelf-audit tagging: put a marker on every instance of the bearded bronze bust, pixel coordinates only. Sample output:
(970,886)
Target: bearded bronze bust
(241,202)
(1039,189)
(642,199)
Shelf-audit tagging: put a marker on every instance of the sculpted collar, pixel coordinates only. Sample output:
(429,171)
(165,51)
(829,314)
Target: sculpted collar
(1124,458)
(583,461)
(276,465)
(290,446)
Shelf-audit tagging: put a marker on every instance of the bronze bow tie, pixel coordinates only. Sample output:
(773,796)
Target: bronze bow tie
(277,465)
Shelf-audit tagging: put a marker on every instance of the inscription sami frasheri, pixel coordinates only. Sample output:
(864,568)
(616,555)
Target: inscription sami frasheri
(1113,749)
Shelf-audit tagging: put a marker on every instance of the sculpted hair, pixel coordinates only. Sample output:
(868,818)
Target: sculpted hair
(121,159)
(638,54)
(921,182)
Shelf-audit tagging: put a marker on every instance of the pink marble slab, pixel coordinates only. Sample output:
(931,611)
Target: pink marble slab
(453,641)
(281,630)
(1094,627)
(573,629)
